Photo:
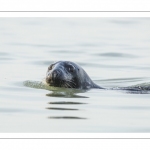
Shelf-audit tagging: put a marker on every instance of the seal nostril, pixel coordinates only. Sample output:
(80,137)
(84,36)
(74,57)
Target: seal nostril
(55,73)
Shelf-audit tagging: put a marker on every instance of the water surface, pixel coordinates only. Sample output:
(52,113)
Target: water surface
(113,51)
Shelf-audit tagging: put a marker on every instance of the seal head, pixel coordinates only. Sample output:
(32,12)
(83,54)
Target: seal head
(68,75)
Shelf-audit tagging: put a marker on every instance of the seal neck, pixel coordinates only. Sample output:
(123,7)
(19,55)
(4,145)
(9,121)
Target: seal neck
(97,86)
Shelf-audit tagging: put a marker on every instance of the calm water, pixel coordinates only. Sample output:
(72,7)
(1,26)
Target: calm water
(113,51)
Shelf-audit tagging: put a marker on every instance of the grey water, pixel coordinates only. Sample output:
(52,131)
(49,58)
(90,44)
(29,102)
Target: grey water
(115,52)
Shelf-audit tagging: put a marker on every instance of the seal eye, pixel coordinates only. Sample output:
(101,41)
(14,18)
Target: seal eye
(50,67)
(71,68)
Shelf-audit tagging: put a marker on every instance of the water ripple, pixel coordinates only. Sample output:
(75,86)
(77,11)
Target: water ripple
(66,103)
(66,117)
(113,54)
(57,108)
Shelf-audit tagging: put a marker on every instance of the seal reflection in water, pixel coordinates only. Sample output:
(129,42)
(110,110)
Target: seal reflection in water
(68,75)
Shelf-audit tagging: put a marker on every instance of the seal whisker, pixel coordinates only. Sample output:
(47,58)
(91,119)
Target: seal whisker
(68,85)
(71,82)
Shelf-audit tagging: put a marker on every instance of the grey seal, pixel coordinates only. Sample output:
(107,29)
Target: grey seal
(68,74)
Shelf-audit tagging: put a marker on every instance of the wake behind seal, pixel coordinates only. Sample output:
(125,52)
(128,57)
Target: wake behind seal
(68,74)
